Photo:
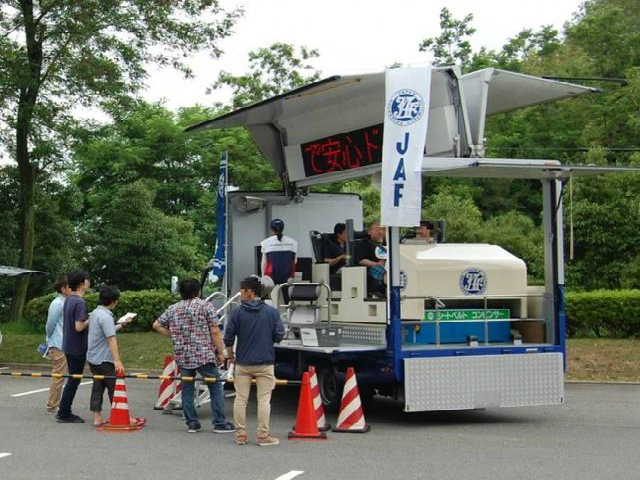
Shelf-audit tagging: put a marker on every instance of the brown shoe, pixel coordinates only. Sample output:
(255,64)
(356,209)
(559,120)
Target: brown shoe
(267,441)
(241,439)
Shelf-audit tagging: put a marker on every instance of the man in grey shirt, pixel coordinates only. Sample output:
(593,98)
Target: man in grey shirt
(102,352)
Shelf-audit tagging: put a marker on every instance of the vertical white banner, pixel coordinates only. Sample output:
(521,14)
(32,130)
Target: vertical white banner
(406,115)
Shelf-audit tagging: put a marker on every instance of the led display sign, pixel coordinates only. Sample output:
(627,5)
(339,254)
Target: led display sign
(343,151)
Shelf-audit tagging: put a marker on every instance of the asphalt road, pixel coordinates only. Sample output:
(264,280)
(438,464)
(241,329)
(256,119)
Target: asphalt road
(595,435)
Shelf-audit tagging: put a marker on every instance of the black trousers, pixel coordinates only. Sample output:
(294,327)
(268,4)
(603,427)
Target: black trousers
(97,391)
(75,363)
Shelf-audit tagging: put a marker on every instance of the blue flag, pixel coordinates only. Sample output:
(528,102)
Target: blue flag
(219,259)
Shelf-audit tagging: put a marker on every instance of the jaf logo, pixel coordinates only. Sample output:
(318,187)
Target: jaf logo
(405,107)
(473,281)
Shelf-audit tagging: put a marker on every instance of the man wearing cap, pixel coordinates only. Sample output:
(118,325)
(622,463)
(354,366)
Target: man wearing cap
(256,326)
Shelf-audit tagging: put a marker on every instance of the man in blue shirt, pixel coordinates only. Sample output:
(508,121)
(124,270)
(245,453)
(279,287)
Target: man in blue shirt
(257,326)
(54,342)
(74,341)
(102,351)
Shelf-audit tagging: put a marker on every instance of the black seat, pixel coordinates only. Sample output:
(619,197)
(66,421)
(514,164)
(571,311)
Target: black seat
(317,244)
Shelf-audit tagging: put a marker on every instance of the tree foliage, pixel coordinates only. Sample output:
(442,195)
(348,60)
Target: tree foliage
(130,243)
(61,54)
(273,70)
(452,46)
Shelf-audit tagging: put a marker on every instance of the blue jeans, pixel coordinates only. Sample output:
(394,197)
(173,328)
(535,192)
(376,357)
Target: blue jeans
(76,365)
(215,392)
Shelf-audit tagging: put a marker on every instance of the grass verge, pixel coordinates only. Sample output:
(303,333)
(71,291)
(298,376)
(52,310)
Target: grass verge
(587,359)
(140,350)
(603,359)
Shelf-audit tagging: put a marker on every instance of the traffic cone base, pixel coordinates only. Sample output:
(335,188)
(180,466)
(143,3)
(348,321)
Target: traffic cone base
(119,419)
(351,417)
(306,423)
(307,436)
(364,429)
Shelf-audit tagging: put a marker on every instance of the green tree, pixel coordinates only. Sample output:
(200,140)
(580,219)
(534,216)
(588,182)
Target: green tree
(57,205)
(132,244)
(149,143)
(273,70)
(57,55)
(452,46)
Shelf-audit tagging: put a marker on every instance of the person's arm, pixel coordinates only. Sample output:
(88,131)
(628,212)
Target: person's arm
(365,262)
(157,326)
(230,336)
(82,322)
(113,347)
(216,338)
(278,328)
(333,261)
(263,263)
(54,314)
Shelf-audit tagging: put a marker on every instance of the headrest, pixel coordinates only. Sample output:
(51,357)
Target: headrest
(304,292)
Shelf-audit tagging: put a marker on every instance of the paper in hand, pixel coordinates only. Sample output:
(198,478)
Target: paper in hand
(127,317)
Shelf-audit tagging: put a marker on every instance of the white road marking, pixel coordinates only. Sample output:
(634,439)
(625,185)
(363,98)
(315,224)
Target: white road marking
(290,475)
(4,368)
(4,454)
(40,391)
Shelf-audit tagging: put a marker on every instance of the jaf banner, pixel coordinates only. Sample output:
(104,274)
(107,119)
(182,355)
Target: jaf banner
(219,259)
(406,117)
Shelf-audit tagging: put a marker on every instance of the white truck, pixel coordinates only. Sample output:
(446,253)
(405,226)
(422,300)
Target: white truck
(459,327)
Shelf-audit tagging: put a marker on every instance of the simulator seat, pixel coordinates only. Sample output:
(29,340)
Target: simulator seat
(318,242)
(303,309)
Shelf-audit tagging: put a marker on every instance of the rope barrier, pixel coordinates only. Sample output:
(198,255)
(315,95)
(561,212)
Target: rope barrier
(137,376)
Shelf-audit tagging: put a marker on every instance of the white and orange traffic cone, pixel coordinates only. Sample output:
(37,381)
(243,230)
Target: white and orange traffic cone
(169,389)
(323,426)
(306,424)
(351,417)
(119,419)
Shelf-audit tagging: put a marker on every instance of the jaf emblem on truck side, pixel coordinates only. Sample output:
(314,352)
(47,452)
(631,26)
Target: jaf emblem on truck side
(405,107)
(473,281)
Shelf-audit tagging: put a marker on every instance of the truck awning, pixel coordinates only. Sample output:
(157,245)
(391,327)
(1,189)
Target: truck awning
(491,91)
(15,271)
(341,104)
(513,169)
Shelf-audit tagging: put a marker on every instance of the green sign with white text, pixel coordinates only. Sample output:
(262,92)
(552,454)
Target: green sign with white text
(444,315)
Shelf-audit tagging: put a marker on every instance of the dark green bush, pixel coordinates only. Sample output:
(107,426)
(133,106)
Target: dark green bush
(605,313)
(148,304)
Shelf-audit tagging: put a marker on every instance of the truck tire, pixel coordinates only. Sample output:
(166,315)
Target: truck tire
(330,388)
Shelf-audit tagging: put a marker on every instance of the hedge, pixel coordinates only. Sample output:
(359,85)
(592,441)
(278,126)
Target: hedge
(605,313)
(148,304)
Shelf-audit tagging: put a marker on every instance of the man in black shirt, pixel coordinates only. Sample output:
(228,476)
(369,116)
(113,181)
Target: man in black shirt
(335,252)
(74,341)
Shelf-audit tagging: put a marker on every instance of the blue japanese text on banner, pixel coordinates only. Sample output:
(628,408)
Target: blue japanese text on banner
(406,116)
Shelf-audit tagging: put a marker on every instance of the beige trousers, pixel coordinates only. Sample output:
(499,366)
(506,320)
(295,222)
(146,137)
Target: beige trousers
(59,366)
(265,383)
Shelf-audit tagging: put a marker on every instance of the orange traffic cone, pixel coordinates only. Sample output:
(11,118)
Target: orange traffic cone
(306,422)
(317,401)
(119,420)
(169,389)
(351,417)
